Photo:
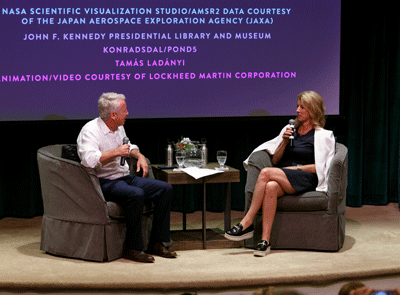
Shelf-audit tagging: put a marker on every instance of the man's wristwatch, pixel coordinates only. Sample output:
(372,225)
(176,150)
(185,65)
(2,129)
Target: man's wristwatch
(299,167)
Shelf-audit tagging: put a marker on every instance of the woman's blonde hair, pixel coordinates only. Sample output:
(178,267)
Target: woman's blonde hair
(314,104)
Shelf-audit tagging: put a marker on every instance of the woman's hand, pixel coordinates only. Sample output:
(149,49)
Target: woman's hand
(306,168)
(290,167)
(289,131)
(281,148)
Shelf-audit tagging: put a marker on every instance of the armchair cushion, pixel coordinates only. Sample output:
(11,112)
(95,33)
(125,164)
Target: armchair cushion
(309,201)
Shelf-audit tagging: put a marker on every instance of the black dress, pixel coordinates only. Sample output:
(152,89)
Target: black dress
(302,153)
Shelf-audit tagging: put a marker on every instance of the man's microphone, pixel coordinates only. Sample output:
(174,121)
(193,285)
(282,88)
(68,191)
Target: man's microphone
(124,141)
(291,137)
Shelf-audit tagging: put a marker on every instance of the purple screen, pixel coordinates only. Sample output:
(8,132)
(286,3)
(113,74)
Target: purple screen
(171,59)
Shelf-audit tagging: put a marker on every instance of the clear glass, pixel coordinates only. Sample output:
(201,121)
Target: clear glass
(180,158)
(221,158)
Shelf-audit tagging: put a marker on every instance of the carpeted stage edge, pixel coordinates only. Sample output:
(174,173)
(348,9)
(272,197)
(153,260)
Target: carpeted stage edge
(371,250)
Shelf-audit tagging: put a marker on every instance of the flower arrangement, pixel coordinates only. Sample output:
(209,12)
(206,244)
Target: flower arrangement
(184,144)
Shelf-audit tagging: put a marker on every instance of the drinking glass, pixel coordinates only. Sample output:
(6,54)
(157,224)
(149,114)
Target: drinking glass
(221,158)
(180,158)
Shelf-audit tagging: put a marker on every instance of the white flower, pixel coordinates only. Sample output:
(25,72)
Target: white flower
(186,140)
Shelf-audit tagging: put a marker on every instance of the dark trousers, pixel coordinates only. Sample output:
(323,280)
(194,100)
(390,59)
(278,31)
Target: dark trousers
(132,193)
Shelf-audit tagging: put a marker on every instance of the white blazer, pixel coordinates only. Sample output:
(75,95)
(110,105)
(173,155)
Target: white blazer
(324,150)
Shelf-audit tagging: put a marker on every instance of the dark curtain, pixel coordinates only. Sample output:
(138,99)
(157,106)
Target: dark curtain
(370,96)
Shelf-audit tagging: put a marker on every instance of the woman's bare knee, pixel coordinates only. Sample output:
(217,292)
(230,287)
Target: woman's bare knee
(266,174)
(273,189)
(272,174)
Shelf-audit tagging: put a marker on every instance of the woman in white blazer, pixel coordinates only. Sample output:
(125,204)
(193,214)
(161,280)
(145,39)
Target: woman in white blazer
(298,168)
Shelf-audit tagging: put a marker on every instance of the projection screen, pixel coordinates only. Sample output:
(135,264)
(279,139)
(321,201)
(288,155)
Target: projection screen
(171,59)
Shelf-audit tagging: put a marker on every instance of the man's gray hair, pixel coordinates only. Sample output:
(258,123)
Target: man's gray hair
(108,103)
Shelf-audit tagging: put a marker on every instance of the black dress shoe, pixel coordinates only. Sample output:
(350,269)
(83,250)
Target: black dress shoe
(237,233)
(262,248)
(160,250)
(138,256)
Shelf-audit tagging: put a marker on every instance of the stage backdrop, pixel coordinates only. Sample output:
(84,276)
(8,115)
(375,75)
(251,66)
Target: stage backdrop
(189,58)
(370,75)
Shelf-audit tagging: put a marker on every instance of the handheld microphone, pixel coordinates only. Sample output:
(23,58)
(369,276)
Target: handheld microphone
(124,141)
(291,137)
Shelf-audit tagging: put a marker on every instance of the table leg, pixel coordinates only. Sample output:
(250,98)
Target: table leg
(228,205)
(204,216)
(184,213)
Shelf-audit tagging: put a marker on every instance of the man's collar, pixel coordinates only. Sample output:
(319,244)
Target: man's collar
(103,126)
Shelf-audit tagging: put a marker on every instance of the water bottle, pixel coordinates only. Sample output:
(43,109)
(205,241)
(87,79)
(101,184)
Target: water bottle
(169,154)
(204,152)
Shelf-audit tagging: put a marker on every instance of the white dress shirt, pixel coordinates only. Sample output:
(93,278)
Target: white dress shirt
(95,138)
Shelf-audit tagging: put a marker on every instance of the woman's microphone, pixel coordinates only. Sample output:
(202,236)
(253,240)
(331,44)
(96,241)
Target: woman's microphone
(291,137)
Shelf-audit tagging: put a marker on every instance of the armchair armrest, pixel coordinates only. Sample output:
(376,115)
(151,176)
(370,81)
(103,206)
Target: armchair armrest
(337,183)
(68,191)
(257,162)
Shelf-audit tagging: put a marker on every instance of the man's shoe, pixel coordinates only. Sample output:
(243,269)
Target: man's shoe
(262,248)
(138,256)
(237,233)
(160,250)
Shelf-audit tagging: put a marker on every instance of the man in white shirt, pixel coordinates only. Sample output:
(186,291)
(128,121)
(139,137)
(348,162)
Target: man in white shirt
(101,148)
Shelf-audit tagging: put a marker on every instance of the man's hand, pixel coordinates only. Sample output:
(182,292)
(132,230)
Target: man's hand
(123,150)
(141,162)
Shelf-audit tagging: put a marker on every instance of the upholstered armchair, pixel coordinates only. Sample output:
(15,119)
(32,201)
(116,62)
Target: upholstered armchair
(310,221)
(77,221)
